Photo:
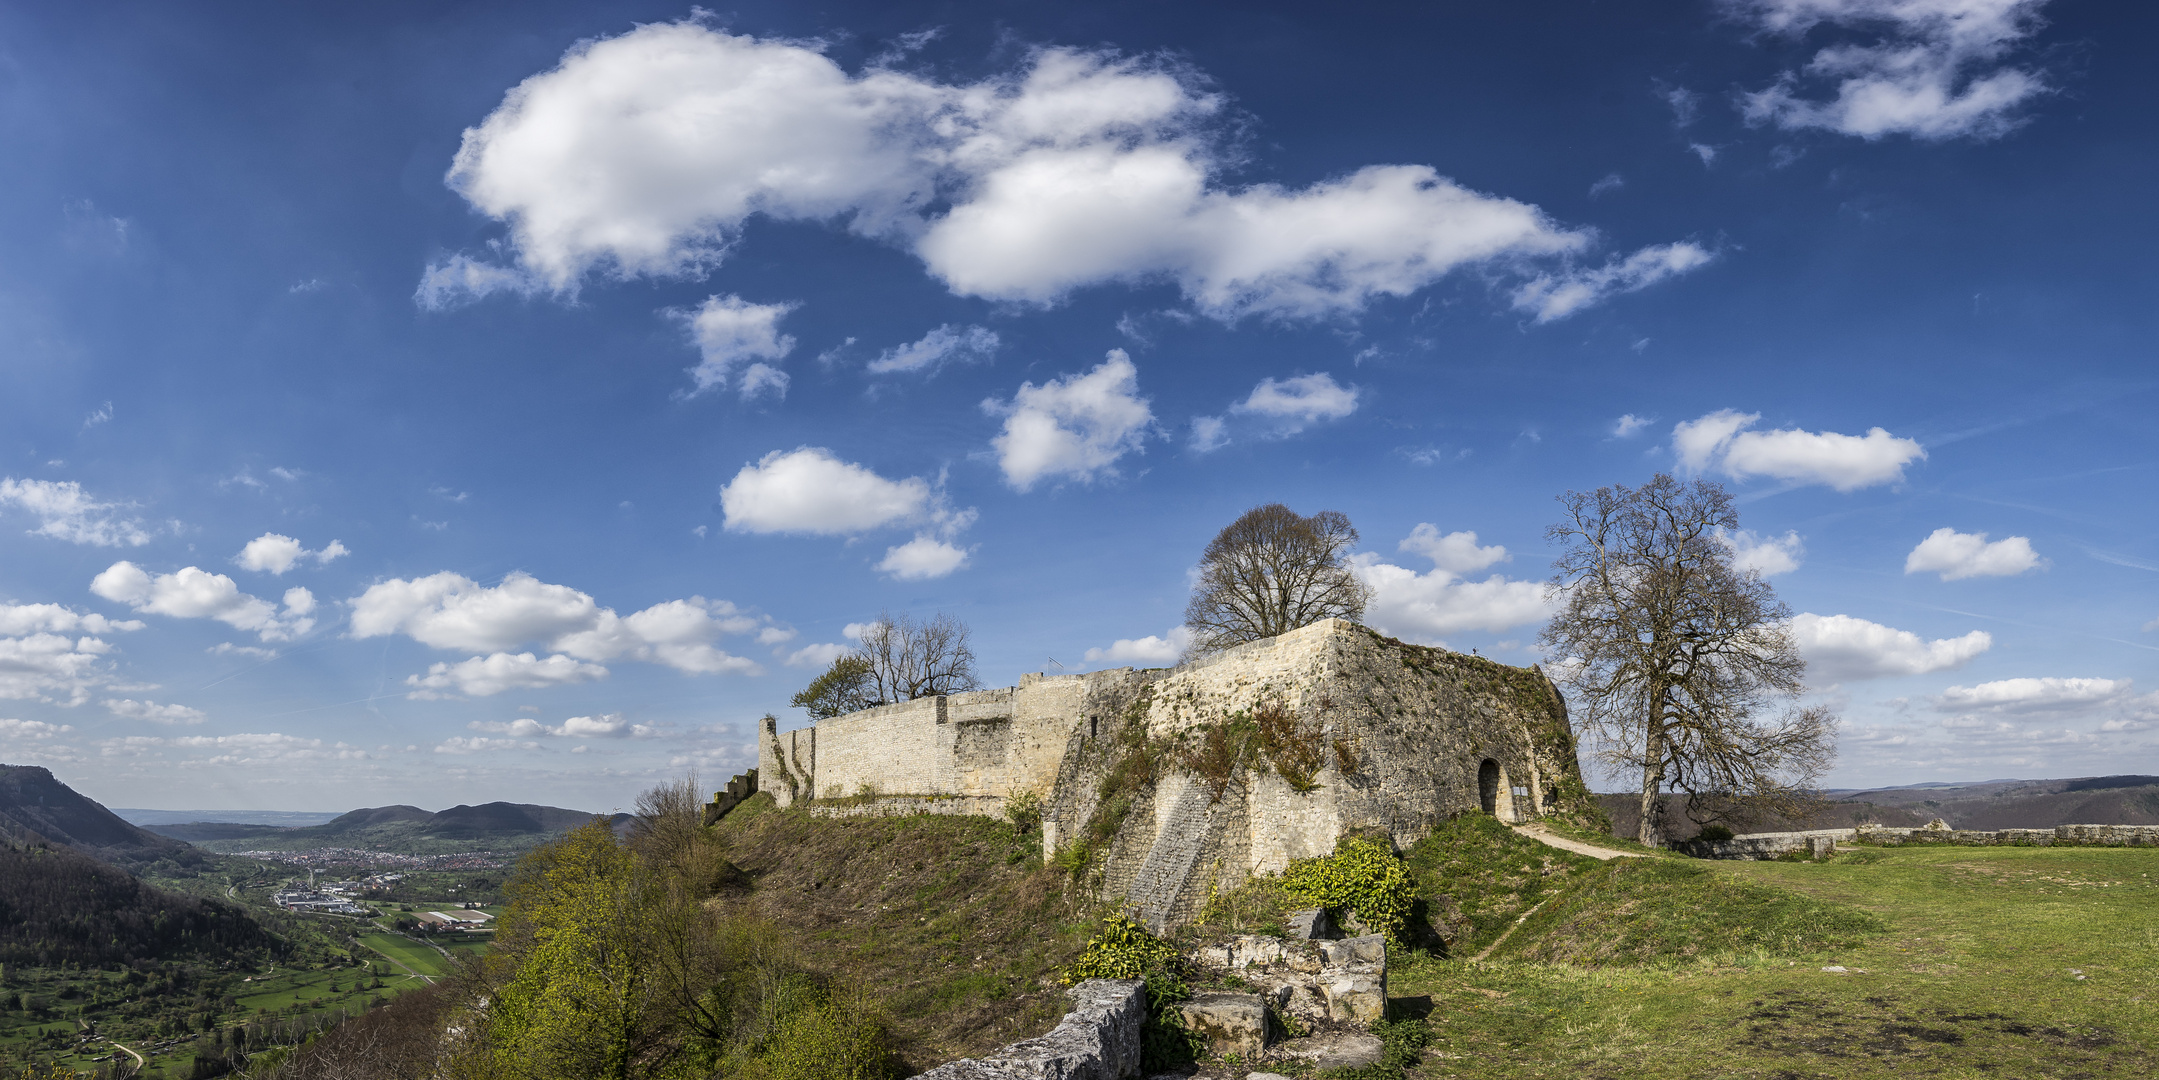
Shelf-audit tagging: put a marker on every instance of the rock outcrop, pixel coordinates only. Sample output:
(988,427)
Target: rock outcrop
(1098,1040)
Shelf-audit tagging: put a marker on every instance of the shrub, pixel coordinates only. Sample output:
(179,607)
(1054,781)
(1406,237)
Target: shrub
(1713,834)
(1123,950)
(1363,875)
(1025,811)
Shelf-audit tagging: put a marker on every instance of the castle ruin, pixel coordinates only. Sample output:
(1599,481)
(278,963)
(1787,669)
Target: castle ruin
(1185,779)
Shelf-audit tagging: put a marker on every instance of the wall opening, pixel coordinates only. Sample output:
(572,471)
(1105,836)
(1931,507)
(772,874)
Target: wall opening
(1488,786)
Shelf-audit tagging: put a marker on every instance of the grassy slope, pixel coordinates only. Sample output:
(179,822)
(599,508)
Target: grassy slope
(950,921)
(1971,975)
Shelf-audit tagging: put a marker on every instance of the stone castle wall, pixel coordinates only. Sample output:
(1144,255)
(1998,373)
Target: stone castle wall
(1404,738)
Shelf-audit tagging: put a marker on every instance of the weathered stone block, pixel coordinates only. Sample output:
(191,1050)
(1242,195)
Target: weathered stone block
(1313,925)
(1370,949)
(1347,1050)
(1356,998)
(1231,1023)
(1098,1040)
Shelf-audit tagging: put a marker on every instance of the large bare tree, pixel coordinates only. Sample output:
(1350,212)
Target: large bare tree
(1270,572)
(1680,664)
(909,658)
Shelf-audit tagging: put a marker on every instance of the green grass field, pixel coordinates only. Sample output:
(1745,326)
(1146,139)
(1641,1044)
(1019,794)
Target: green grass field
(1986,962)
(413,955)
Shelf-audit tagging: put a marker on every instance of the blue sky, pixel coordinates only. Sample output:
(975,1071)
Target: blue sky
(441,403)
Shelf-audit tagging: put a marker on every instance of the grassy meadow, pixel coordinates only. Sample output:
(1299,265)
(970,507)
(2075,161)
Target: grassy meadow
(1954,962)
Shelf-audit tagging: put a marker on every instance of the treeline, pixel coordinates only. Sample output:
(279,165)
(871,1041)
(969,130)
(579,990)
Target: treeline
(60,907)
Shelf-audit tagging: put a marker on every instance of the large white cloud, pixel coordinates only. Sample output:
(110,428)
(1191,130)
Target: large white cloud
(1075,427)
(1841,648)
(809,490)
(647,152)
(1935,73)
(453,612)
(194,593)
(66,512)
(276,553)
(1431,605)
(1958,555)
(2033,695)
(729,332)
(12,729)
(1721,441)
(483,676)
(245,748)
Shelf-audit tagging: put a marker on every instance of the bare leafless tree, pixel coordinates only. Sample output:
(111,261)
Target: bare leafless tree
(910,659)
(1270,572)
(1680,664)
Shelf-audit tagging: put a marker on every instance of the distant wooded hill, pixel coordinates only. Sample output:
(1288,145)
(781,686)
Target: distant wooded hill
(33,801)
(60,904)
(1991,804)
(406,829)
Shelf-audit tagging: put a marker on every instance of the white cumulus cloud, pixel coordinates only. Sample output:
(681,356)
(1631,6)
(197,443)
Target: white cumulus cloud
(66,512)
(1278,408)
(453,612)
(809,490)
(730,333)
(1156,650)
(922,558)
(945,345)
(1958,555)
(17,620)
(276,553)
(194,593)
(154,712)
(1841,648)
(1766,555)
(1429,606)
(1455,552)
(42,665)
(1935,72)
(1075,427)
(646,153)
(11,728)
(1721,441)
(484,676)
(2031,695)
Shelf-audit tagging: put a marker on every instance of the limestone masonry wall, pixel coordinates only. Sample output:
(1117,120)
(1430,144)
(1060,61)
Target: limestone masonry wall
(1332,728)
(1777,844)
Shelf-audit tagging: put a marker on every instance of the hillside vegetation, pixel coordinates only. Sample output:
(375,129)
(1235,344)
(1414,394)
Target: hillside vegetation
(61,907)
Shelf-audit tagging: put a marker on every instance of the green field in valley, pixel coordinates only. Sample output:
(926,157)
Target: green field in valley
(1995,962)
(414,956)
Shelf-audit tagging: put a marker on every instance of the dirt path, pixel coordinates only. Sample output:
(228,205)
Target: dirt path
(1546,836)
(140,1064)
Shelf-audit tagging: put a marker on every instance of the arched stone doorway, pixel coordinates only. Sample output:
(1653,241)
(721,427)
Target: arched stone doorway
(1488,783)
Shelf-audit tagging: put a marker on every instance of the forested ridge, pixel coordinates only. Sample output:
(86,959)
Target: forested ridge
(59,906)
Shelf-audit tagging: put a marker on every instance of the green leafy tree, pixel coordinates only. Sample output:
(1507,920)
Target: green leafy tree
(845,687)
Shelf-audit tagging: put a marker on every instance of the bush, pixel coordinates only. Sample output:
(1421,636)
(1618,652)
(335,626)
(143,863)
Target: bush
(1024,810)
(1125,950)
(1713,834)
(1363,875)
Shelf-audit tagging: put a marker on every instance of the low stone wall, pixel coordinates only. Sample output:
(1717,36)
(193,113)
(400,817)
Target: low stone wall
(1098,1040)
(1778,844)
(908,805)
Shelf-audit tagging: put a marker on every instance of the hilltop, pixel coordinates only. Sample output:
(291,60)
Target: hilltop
(498,826)
(33,801)
(1986,804)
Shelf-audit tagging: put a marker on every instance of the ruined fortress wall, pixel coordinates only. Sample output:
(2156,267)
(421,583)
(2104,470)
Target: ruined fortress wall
(1398,738)
(981,744)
